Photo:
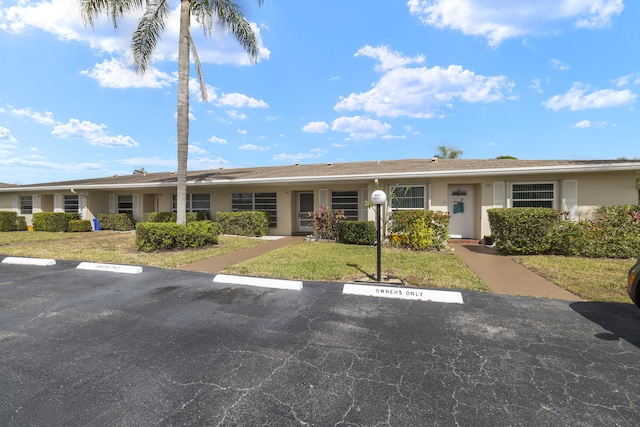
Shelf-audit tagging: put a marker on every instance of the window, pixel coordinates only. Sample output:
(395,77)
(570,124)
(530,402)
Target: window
(125,204)
(346,201)
(26,205)
(71,203)
(195,202)
(407,197)
(265,202)
(534,195)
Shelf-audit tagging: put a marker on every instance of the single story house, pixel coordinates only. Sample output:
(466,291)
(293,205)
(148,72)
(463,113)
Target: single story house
(465,189)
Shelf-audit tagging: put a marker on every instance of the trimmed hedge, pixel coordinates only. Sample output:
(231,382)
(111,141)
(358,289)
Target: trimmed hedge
(21,223)
(152,236)
(356,232)
(53,221)
(522,231)
(244,223)
(79,225)
(118,222)
(172,216)
(419,229)
(9,221)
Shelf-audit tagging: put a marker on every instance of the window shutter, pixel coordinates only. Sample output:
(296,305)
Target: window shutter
(16,206)
(363,207)
(134,200)
(57,203)
(323,197)
(35,200)
(498,195)
(570,198)
(112,203)
(82,204)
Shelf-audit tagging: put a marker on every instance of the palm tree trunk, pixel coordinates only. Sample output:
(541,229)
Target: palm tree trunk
(183,110)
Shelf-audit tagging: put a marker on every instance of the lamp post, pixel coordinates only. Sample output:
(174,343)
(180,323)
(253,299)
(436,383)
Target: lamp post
(378,198)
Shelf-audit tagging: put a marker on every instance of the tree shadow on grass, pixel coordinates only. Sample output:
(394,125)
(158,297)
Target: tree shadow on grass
(621,320)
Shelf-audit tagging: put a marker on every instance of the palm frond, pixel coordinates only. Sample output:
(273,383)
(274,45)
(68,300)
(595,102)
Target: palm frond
(196,61)
(147,35)
(114,9)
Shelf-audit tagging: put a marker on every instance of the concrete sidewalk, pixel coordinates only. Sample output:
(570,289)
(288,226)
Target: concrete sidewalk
(505,276)
(501,274)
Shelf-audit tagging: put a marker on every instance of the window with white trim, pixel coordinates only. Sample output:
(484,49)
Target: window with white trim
(125,204)
(408,197)
(533,195)
(346,201)
(265,202)
(71,203)
(195,202)
(26,205)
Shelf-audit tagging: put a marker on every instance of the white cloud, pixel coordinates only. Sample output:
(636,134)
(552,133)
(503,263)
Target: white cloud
(315,127)
(62,18)
(93,133)
(312,154)
(207,163)
(576,98)
(115,73)
(499,21)
(242,131)
(252,147)
(629,79)
(236,115)
(388,59)
(422,92)
(535,86)
(556,64)
(360,127)
(7,140)
(239,100)
(583,124)
(217,140)
(195,149)
(336,145)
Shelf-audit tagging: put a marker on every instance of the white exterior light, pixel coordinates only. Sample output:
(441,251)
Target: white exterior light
(378,197)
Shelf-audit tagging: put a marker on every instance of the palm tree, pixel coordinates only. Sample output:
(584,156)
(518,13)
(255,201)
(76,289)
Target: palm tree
(443,152)
(146,37)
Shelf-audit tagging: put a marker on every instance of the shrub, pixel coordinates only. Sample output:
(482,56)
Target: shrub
(325,222)
(523,231)
(21,223)
(9,221)
(172,216)
(53,221)
(79,225)
(419,229)
(244,223)
(356,232)
(152,236)
(118,222)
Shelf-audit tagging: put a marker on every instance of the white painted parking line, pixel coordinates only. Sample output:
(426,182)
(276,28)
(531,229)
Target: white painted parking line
(293,285)
(113,268)
(29,261)
(415,294)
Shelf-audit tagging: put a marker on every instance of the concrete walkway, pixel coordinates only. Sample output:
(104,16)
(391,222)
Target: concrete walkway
(501,274)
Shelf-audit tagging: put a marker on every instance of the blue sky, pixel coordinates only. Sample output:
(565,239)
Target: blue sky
(336,81)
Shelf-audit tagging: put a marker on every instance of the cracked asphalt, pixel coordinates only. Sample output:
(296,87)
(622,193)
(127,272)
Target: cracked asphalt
(166,347)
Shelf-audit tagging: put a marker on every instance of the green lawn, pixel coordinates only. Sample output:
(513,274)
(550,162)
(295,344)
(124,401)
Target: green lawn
(593,279)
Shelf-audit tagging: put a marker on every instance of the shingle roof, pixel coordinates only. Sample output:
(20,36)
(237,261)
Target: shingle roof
(382,168)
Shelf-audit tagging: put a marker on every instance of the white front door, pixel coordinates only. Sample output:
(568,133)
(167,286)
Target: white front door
(305,205)
(461,224)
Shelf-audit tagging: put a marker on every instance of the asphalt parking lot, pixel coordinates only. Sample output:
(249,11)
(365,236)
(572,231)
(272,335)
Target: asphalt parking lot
(166,347)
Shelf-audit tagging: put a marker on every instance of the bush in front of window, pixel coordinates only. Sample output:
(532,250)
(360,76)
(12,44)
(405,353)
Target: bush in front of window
(325,223)
(172,216)
(54,222)
(243,223)
(523,231)
(419,229)
(356,232)
(21,223)
(118,222)
(153,236)
(79,225)
(8,221)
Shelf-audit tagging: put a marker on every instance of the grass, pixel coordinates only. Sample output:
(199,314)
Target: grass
(592,279)
(598,279)
(109,247)
(334,262)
